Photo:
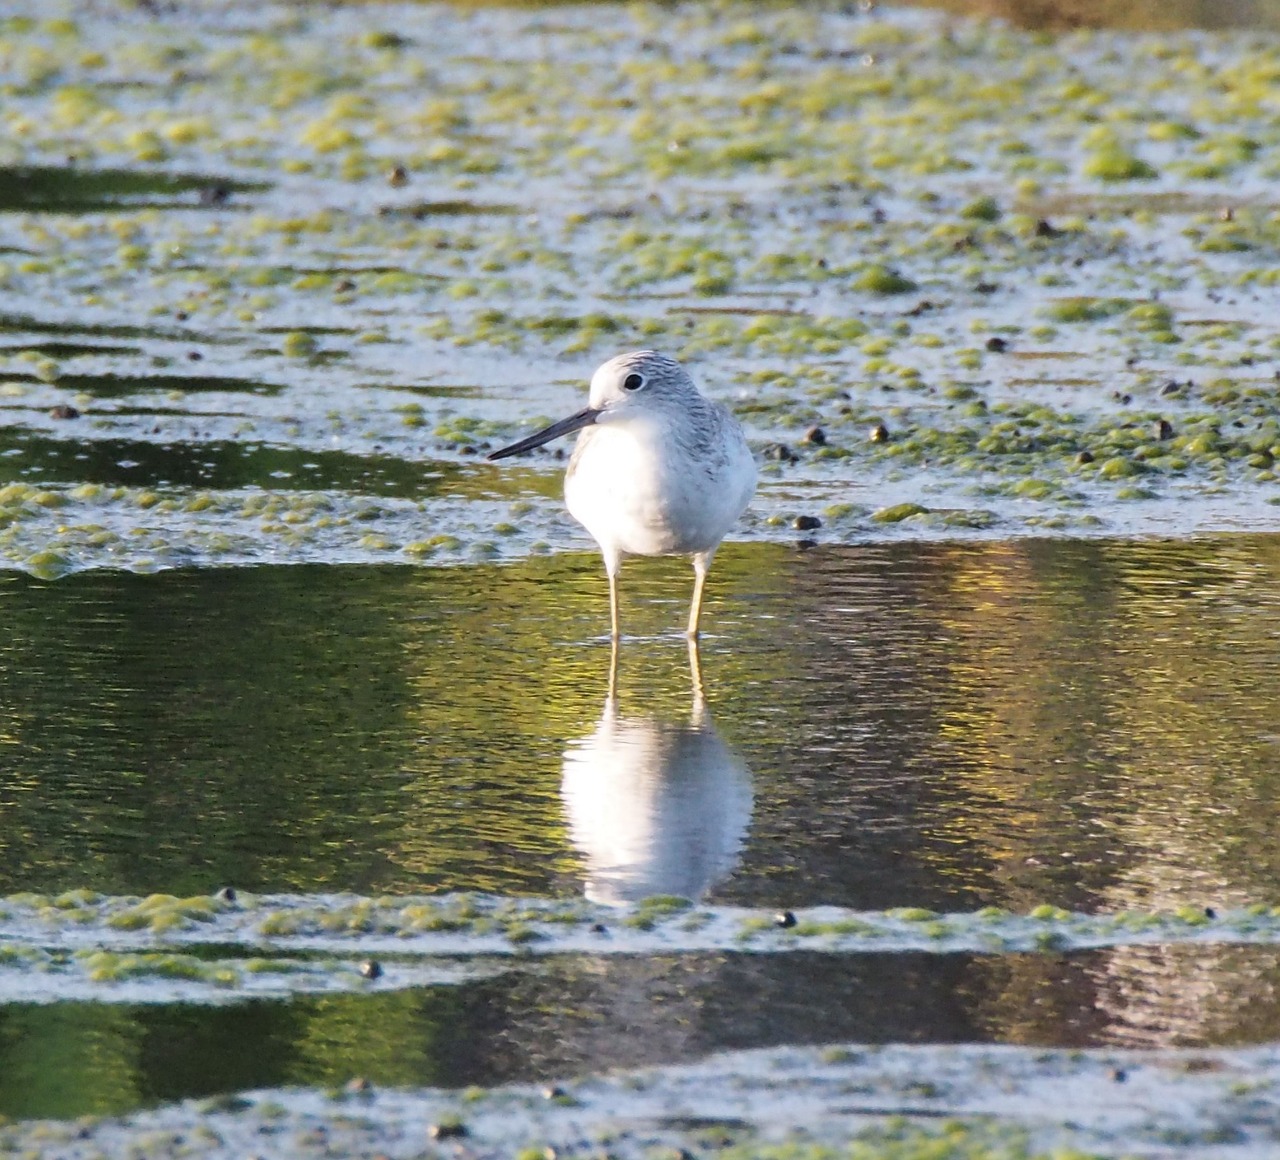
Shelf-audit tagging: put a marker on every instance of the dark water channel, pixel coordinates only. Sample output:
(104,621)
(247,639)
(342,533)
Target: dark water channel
(1085,723)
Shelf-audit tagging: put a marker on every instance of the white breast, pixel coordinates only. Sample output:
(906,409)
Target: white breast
(639,493)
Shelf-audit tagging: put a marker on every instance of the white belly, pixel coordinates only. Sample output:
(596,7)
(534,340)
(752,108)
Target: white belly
(637,495)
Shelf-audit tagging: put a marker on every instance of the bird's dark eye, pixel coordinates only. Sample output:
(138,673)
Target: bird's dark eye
(633,382)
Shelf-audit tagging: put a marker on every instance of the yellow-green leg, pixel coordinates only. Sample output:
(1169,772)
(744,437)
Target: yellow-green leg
(701,564)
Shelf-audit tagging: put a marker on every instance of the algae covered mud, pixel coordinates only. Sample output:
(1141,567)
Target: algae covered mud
(291,268)
(272,278)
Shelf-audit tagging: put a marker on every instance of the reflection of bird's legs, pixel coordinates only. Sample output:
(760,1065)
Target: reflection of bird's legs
(701,563)
(695,679)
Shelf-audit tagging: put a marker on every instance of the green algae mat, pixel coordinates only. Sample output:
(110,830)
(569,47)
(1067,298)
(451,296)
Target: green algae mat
(320,834)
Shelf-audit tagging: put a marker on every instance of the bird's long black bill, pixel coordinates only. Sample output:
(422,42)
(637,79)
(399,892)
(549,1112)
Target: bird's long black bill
(583,418)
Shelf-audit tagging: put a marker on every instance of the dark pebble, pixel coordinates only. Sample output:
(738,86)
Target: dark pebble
(997,345)
(784,919)
(194,356)
(806,523)
(599,928)
(226,894)
(1170,388)
(815,435)
(214,195)
(1209,912)
(805,544)
(447,1131)
(1045,229)
(986,287)
(1085,457)
(64,411)
(397,176)
(181,315)
(1118,1075)
(554,1092)
(344,286)
(1164,429)
(781,452)
(371,969)
(879,434)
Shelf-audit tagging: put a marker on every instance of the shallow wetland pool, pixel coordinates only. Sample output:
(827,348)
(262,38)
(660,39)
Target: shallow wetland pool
(318,831)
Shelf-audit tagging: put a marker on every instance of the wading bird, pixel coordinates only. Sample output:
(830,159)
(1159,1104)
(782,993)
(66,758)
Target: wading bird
(658,470)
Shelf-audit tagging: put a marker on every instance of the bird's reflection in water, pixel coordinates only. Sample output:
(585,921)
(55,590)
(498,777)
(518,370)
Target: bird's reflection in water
(654,806)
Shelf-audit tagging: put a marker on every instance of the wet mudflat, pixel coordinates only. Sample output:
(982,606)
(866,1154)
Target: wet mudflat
(987,752)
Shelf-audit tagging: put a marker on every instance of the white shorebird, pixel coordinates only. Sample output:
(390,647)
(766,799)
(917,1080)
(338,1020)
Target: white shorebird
(658,469)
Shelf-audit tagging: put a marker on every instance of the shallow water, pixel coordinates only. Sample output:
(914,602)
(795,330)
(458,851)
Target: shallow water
(580,1015)
(1082,723)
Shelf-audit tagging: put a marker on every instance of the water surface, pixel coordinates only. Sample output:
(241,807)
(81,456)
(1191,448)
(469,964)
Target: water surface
(1084,723)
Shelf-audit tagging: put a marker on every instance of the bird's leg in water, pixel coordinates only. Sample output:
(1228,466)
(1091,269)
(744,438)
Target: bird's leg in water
(613,604)
(701,563)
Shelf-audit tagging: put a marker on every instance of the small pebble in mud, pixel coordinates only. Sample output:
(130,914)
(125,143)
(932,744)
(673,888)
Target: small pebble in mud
(781,452)
(1046,229)
(397,176)
(879,434)
(344,286)
(194,356)
(447,1130)
(815,435)
(214,195)
(997,345)
(181,315)
(1117,1075)
(806,523)
(1121,398)
(1172,387)
(784,919)
(371,969)
(1085,457)
(553,1092)
(599,928)
(64,411)
(226,894)
(1164,429)
(358,1086)
(1209,912)
(1226,214)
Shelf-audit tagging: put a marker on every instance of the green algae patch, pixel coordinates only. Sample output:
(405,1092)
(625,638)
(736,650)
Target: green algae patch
(160,913)
(898,512)
(1083,309)
(1118,165)
(882,280)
